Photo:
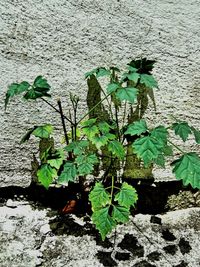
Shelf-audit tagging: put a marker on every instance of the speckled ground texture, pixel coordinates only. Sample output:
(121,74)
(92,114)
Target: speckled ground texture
(29,237)
(63,39)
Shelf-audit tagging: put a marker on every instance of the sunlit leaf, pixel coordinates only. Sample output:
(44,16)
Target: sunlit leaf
(43,131)
(137,128)
(117,149)
(147,148)
(99,197)
(187,168)
(127,196)
(46,175)
(148,80)
(103,221)
(120,214)
(182,129)
(112,87)
(128,93)
(68,174)
(86,163)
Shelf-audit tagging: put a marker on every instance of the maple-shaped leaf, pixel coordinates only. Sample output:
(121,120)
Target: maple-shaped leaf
(102,72)
(43,131)
(187,168)
(196,135)
(68,174)
(134,76)
(127,196)
(112,87)
(46,174)
(103,221)
(99,197)
(160,160)
(182,129)
(117,149)
(120,214)
(16,89)
(137,128)
(148,80)
(99,141)
(160,134)
(78,147)
(89,128)
(56,159)
(127,93)
(147,148)
(104,127)
(86,163)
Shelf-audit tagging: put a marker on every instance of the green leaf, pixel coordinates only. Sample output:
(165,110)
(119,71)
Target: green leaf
(86,163)
(16,89)
(89,128)
(43,131)
(147,148)
(134,76)
(187,168)
(112,87)
(99,197)
(167,150)
(102,72)
(68,174)
(132,69)
(117,149)
(127,196)
(120,214)
(46,175)
(41,83)
(56,159)
(78,147)
(137,128)
(127,93)
(148,80)
(182,129)
(160,160)
(90,73)
(103,221)
(104,127)
(26,137)
(160,134)
(196,135)
(99,141)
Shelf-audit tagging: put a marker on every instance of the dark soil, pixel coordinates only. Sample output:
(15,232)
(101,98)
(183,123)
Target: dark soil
(152,199)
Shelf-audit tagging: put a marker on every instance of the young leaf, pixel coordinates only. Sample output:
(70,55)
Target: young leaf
(78,147)
(43,131)
(102,72)
(86,163)
(99,141)
(148,80)
(68,174)
(16,89)
(99,197)
(41,83)
(127,93)
(120,214)
(117,149)
(56,159)
(187,168)
(46,175)
(112,87)
(147,148)
(134,76)
(182,129)
(137,128)
(104,127)
(89,128)
(160,134)
(127,196)
(103,221)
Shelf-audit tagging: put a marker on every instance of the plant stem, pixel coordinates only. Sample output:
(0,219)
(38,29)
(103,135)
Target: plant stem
(57,110)
(176,147)
(93,108)
(63,121)
(112,187)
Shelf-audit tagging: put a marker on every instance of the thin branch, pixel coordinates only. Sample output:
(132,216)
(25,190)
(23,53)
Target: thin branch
(63,121)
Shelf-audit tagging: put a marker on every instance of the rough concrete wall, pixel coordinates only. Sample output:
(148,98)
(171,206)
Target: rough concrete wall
(63,39)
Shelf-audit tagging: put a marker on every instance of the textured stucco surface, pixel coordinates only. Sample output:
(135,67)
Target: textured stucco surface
(63,39)
(27,240)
